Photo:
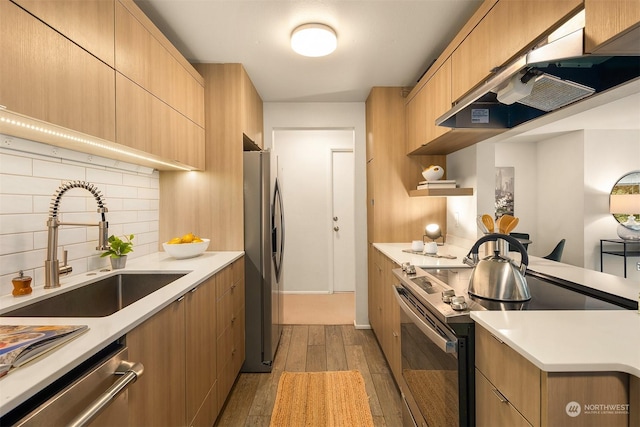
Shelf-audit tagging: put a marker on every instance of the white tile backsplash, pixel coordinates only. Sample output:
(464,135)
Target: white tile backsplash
(27,185)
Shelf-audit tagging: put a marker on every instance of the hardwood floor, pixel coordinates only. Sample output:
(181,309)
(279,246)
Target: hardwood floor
(309,348)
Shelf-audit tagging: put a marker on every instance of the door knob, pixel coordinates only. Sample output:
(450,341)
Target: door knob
(336,228)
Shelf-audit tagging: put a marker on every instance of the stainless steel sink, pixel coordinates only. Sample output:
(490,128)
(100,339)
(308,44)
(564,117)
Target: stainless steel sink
(98,299)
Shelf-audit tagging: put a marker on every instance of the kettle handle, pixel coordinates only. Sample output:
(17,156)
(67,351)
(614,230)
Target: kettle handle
(473,253)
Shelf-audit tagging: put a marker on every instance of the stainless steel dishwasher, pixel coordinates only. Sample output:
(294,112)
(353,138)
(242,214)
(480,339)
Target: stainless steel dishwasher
(95,394)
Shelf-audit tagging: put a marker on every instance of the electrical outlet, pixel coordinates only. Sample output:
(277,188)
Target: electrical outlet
(638,266)
(457,217)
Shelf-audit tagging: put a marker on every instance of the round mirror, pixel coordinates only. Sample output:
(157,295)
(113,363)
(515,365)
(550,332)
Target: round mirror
(624,199)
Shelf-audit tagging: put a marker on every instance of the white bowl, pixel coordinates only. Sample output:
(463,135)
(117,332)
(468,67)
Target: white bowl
(186,250)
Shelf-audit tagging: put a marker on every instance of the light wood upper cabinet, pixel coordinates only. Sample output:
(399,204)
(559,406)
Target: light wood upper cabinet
(432,100)
(88,23)
(36,78)
(146,123)
(392,174)
(607,19)
(252,118)
(144,55)
(509,28)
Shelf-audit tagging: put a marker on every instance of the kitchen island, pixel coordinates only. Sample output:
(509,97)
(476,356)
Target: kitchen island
(559,348)
(23,382)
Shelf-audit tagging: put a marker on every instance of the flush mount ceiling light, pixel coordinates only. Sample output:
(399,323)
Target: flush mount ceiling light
(314,40)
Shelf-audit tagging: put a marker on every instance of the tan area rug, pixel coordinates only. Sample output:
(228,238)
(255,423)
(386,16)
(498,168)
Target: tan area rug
(336,399)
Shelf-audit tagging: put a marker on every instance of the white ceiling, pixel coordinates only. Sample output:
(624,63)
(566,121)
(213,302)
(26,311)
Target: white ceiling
(380,42)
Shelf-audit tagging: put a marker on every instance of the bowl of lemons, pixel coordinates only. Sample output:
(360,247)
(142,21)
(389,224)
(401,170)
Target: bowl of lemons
(187,246)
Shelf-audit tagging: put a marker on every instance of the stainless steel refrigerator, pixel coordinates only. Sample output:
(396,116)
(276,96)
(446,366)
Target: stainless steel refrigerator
(264,250)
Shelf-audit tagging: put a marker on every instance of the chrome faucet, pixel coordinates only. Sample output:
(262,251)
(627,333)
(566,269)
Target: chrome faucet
(52,267)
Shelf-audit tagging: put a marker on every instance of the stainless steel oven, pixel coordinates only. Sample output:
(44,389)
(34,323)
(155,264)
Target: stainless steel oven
(438,340)
(435,367)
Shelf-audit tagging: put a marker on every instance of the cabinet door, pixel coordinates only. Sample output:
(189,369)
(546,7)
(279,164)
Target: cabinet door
(492,409)
(606,19)
(150,125)
(514,376)
(433,100)
(200,354)
(252,122)
(88,23)
(158,396)
(510,27)
(375,303)
(143,55)
(45,76)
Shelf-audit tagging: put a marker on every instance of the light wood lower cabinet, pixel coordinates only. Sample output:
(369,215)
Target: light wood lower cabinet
(230,327)
(384,311)
(157,397)
(511,391)
(189,367)
(200,353)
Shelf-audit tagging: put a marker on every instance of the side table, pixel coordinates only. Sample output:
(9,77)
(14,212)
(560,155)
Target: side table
(630,248)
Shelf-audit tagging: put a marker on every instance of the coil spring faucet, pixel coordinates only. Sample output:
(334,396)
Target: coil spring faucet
(52,267)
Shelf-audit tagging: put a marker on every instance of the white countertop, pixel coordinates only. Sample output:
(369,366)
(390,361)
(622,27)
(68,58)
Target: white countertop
(395,252)
(570,341)
(21,383)
(615,285)
(556,341)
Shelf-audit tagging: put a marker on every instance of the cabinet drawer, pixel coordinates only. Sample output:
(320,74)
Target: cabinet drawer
(492,410)
(514,376)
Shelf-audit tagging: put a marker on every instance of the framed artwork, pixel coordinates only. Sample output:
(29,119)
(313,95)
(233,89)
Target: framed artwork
(505,177)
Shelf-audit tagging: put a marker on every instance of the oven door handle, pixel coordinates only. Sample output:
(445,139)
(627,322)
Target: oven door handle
(443,344)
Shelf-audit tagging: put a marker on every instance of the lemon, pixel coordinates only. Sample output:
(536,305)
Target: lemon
(174,241)
(197,240)
(187,238)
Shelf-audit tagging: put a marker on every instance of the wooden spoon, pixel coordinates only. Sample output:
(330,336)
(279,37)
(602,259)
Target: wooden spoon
(487,220)
(505,220)
(509,228)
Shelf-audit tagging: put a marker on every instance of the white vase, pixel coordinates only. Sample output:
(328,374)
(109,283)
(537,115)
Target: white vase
(119,262)
(433,173)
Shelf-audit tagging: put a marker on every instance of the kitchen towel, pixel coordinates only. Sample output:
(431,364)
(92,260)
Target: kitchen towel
(336,399)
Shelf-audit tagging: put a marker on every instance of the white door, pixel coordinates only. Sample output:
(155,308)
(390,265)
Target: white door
(305,170)
(344,274)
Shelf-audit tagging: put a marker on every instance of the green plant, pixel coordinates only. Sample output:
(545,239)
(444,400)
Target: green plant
(118,247)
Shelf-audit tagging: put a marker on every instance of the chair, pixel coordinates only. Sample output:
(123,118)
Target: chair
(524,236)
(556,253)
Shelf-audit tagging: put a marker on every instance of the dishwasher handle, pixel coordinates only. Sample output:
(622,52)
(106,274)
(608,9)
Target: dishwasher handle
(443,343)
(130,371)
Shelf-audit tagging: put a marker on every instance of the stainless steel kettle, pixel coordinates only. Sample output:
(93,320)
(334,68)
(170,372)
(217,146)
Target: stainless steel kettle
(496,277)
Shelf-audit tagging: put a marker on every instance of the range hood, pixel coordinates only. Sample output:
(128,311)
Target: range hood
(555,73)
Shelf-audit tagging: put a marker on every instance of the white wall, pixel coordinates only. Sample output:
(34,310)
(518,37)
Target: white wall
(281,115)
(27,184)
(560,197)
(609,154)
(562,190)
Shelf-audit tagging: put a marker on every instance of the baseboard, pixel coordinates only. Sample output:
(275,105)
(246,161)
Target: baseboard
(355,325)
